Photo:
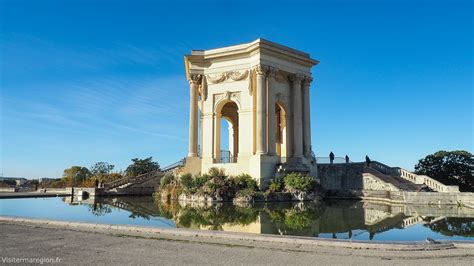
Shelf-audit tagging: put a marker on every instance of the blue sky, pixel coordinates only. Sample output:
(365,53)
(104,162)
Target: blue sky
(88,81)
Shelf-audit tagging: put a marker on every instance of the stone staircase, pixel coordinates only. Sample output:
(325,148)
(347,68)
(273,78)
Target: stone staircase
(133,181)
(407,180)
(340,175)
(395,180)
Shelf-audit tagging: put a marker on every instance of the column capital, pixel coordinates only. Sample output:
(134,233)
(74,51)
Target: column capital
(261,70)
(195,79)
(296,78)
(307,81)
(273,72)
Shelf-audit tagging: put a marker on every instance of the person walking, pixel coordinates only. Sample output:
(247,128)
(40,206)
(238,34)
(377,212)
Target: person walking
(367,160)
(331,157)
(347,159)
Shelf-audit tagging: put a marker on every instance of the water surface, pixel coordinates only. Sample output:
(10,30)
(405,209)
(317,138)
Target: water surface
(328,219)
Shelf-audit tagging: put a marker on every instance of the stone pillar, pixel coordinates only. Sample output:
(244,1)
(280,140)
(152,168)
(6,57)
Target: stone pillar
(194,80)
(231,138)
(271,111)
(261,110)
(235,144)
(297,119)
(306,118)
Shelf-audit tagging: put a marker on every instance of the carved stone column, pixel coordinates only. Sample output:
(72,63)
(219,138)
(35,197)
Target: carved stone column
(297,119)
(306,118)
(194,81)
(260,70)
(271,111)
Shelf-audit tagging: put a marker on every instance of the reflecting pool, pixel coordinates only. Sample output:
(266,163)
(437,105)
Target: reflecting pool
(357,220)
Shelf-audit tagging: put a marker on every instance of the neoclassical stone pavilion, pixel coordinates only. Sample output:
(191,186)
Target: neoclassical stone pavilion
(262,89)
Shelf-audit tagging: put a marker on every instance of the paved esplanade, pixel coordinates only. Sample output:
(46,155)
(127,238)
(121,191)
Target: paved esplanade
(92,248)
(262,89)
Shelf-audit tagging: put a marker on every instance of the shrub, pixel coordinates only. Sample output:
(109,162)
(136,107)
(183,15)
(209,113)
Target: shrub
(200,181)
(246,192)
(187,183)
(215,184)
(175,190)
(245,181)
(274,187)
(276,184)
(298,182)
(214,171)
(166,180)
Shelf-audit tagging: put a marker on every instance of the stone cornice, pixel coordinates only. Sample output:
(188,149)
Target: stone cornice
(261,45)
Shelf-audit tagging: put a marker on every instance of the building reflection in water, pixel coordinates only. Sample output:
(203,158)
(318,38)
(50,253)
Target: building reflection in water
(336,219)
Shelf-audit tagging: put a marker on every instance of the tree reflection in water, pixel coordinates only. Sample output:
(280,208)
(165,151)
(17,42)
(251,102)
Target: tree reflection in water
(215,216)
(99,209)
(337,219)
(453,226)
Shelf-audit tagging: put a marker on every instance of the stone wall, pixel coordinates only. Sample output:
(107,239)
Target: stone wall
(355,176)
(371,182)
(91,192)
(341,176)
(462,199)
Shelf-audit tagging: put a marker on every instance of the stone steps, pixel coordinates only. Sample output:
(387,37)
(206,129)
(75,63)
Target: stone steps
(397,181)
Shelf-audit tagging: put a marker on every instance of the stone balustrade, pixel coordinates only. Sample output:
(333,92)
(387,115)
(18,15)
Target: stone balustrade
(423,179)
(414,178)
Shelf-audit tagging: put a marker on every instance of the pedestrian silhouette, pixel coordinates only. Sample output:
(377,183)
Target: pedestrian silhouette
(367,160)
(347,159)
(331,157)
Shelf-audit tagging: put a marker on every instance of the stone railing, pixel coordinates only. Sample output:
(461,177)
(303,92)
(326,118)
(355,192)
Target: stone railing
(414,178)
(173,166)
(134,179)
(326,160)
(423,179)
(383,168)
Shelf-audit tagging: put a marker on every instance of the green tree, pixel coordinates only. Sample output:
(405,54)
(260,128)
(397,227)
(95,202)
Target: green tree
(101,168)
(449,167)
(8,183)
(141,166)
(75,175)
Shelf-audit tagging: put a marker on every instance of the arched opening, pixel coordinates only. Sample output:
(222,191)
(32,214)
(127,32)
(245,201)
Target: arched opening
(227,133)
(281,129)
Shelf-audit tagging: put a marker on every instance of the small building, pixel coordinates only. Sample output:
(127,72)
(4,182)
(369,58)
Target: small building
(262,89)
